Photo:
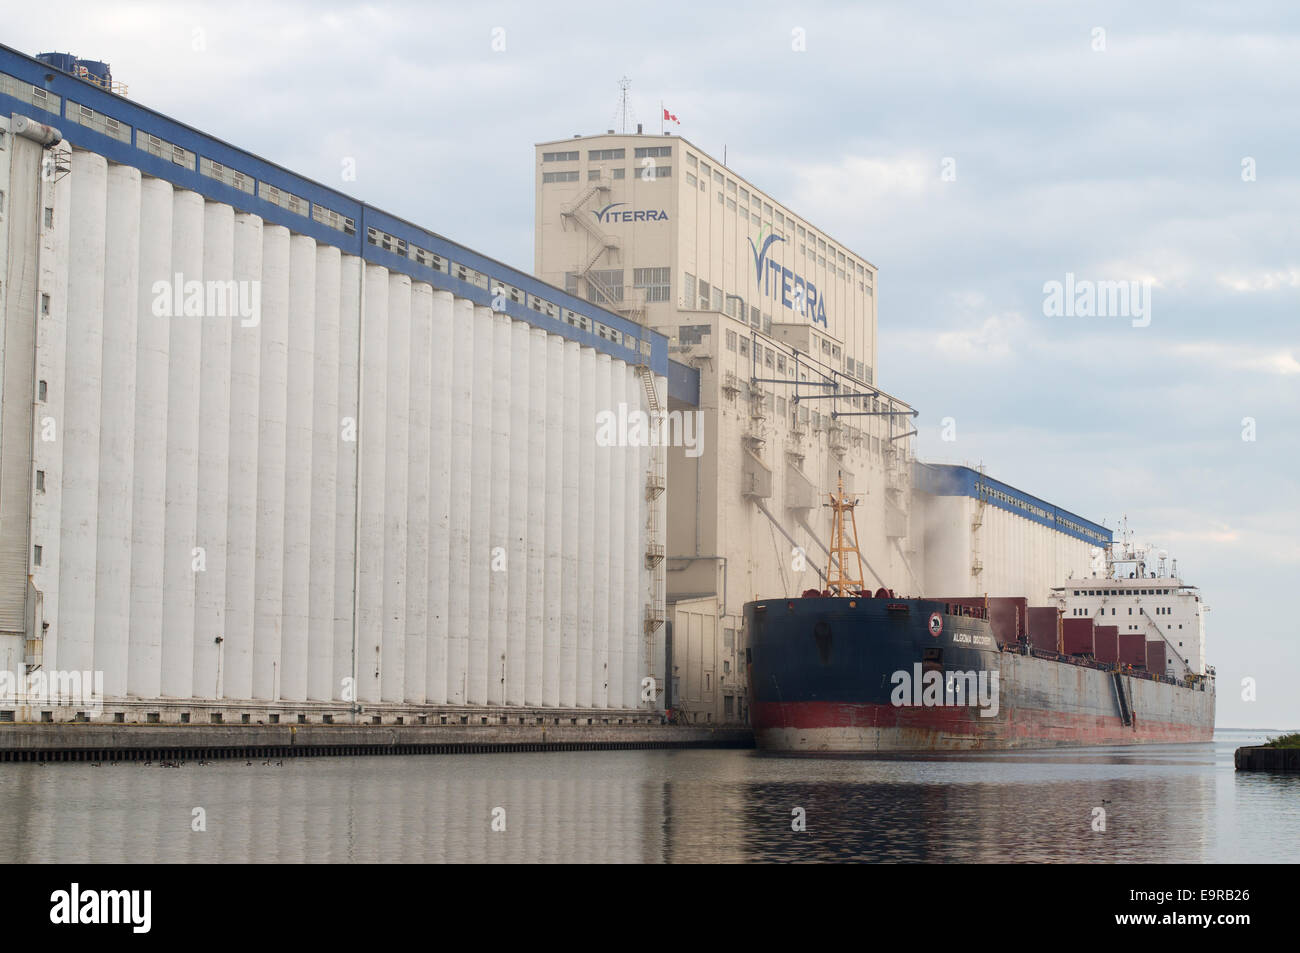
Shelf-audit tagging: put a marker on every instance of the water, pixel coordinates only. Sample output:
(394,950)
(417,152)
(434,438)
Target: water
(1166,803)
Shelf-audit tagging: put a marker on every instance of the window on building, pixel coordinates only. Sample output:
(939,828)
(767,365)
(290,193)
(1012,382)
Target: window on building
(691,180)
(731,340)
(655,281)
(652,152)
(688,290)
(755,320)
(744,194)
(744,347)
(602,155)
(717,299)
(560,156)
(605,285)
(620,173)
(691,160)
(705,295)
(731,204)
(560,176)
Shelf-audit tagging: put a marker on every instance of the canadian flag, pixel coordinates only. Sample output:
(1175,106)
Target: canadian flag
(668,115)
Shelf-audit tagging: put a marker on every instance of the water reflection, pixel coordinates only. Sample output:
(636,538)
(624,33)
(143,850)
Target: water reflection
(1180,804)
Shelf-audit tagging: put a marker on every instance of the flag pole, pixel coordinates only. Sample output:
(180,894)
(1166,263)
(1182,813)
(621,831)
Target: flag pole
(661,117)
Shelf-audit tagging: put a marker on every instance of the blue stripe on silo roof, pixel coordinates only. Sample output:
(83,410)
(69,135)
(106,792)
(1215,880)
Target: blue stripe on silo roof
(140,118)
(940,479)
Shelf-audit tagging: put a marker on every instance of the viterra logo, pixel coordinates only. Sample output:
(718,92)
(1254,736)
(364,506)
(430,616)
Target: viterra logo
(794,291)
(607,214)
(760,254)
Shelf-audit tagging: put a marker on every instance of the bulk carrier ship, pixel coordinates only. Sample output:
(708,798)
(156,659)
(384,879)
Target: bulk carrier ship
(1117,659)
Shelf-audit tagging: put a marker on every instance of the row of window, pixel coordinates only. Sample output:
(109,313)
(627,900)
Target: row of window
(605,285)
(777,361)
(864,280)
(1122,592)
(713,299)
(560,156)
(210,168)
(161,148)
(429,259)
(1084,613)
(752,204)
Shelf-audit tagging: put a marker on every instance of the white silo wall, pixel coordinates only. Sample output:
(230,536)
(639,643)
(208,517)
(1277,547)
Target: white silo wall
(659,582)
(537,519)
(571,586)
(499,521)
(234,516)
(553,386)
(602,526)
(519,532)
(442,455)
(182,451)
(272,407)
(372,450)
(418,481)
(25,227)
(634,504)
(478,555)
(300,383)
(464,451)
(617,535)
(216,328)
(149,490)
(587,528)
(117,433)
(235,659)
(326,438)
(79,438)
(397,441)
(351,277)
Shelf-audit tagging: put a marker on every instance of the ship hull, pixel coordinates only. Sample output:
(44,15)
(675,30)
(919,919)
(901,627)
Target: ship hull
(849,676)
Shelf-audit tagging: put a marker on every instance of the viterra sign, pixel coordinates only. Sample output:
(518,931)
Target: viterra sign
(611,214)
(795,292)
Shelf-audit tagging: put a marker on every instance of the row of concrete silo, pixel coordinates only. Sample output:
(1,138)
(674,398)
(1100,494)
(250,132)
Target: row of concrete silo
(367,479)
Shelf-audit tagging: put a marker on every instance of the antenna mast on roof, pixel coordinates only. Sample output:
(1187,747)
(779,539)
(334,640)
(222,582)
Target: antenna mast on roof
(624,113)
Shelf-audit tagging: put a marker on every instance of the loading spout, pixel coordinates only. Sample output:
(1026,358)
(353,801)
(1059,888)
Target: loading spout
(782,530)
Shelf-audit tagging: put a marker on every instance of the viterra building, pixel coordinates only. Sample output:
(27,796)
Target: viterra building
(269,452)
(780,320)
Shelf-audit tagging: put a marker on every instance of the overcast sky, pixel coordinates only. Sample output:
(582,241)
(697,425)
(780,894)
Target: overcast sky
(1162,149)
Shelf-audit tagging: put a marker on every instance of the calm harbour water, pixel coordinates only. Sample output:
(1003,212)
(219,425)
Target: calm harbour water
(1167,803)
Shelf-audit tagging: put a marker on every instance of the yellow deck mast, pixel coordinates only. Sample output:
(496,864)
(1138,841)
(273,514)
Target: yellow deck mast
(843,521)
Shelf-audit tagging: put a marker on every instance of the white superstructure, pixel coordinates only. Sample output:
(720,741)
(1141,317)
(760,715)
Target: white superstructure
(1121,589)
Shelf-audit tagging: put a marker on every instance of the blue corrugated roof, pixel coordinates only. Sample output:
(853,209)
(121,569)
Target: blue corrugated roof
(683,381)
(941,479)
